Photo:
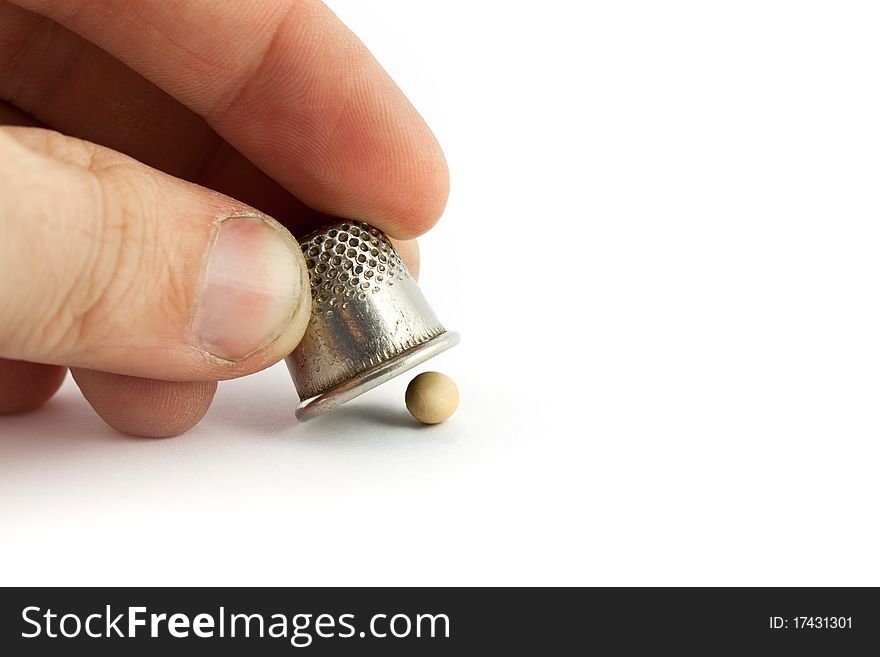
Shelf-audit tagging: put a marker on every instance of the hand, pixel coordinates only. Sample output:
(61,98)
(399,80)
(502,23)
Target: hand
(134,246)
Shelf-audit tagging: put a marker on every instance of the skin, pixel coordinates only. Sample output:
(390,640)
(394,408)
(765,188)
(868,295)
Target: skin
(141,126)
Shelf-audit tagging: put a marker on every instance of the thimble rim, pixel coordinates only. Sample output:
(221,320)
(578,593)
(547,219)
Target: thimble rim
(341,393)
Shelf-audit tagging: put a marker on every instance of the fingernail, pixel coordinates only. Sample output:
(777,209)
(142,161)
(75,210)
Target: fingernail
(252,286)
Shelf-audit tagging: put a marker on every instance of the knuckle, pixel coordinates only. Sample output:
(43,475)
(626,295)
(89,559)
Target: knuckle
(41,224)
(72,318)
(66,149)
(85,265)
(124,263)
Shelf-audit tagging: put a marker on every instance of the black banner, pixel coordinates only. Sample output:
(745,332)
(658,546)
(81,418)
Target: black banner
(418,621)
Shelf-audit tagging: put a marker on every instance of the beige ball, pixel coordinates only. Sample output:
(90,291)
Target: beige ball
(431,397)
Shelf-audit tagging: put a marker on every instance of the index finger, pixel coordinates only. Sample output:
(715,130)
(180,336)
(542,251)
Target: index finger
(289,86)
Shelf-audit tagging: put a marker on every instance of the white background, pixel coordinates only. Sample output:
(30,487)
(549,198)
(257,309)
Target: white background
(661,251)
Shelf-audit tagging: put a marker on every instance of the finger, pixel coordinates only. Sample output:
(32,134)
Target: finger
(26,386)
(103,101)
(110,265)
(409,253)
(290,87)
(145,407)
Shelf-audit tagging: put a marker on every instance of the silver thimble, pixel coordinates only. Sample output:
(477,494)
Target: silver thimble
(369,319)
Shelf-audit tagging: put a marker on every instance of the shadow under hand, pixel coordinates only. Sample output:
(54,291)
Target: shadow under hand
(65,425)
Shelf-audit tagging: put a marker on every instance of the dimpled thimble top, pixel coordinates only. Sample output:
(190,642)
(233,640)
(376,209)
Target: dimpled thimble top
(349,261)
(366,308)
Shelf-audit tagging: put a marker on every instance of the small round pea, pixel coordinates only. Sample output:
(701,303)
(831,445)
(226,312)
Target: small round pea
(431,397)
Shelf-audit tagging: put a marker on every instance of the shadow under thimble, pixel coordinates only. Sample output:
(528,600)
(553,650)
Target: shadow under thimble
(369,319)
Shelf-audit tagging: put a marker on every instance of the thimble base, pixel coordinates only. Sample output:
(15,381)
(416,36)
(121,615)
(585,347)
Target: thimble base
(347,390)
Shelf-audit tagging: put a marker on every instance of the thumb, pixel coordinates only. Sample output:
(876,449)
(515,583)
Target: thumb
(110,265)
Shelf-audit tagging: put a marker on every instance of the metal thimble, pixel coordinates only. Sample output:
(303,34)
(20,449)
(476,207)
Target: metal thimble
(369,319)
